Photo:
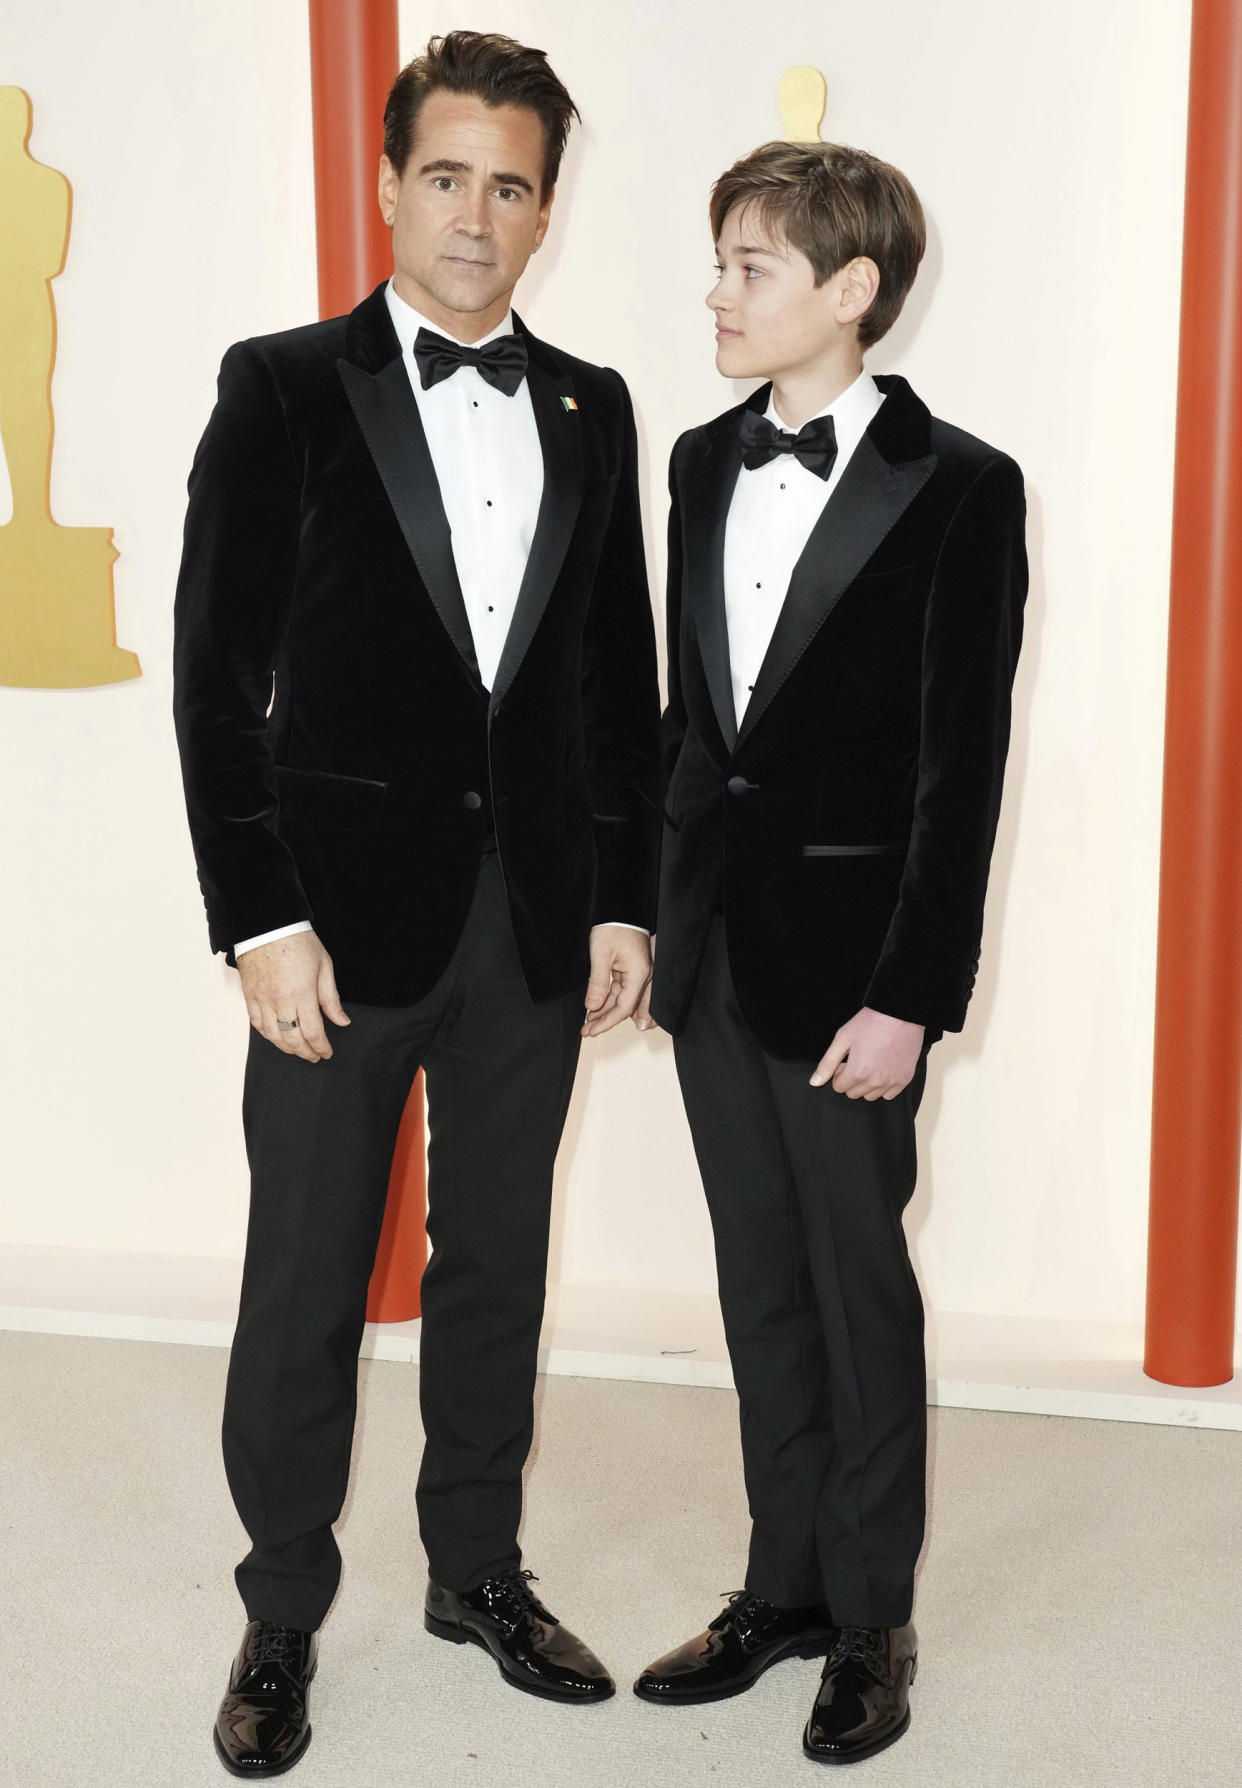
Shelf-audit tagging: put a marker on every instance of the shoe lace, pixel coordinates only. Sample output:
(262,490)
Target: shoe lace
(513,1588)
(741,1603)
(860,1645)
(274,1644)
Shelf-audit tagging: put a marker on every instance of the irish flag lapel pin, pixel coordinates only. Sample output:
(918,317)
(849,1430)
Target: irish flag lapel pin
(569,403)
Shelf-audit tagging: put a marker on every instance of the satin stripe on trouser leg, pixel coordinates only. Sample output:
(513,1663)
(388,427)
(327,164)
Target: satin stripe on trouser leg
(822,1312)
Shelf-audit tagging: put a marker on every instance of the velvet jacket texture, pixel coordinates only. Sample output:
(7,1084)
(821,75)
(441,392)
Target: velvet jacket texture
(849,823)
(318,577)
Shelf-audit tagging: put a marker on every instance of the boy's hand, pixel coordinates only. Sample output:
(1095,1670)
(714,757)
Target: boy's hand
(872,1056)
(642,1011)
(620,971)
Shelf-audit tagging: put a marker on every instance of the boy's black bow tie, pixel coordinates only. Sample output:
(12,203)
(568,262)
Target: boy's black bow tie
(814,445)
(502,362)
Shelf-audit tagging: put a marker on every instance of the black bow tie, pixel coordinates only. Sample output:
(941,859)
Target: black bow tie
(502,362)
(814,446)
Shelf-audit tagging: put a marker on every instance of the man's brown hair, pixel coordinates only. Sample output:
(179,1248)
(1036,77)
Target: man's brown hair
(495,69)
(832,204)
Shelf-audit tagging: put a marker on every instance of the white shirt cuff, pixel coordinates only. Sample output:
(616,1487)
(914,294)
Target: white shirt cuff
(622,926)
(270,937)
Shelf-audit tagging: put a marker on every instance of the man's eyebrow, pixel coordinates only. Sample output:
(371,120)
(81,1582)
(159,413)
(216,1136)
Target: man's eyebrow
(446,166)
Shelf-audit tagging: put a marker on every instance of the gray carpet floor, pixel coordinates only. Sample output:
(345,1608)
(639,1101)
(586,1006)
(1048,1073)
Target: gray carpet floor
(1079,1606)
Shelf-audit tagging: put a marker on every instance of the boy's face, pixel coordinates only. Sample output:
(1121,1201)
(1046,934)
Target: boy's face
(771,317)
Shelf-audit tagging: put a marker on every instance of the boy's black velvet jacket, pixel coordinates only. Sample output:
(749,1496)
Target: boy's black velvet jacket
(317,551)
(850,823)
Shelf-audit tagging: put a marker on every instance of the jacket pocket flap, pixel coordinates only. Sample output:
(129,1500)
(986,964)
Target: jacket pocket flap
(850,850)
(328,799)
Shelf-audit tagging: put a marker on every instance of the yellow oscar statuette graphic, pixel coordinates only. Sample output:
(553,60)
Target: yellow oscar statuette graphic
(803,98)
(57,621)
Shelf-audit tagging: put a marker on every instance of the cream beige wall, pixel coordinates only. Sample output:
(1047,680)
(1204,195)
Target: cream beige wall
(1047,143)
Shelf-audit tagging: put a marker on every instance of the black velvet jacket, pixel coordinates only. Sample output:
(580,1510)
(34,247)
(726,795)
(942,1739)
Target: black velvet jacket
(317,553)
(849,823)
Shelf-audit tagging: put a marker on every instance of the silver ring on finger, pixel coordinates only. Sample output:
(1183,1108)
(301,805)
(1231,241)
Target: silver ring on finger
(286,1024)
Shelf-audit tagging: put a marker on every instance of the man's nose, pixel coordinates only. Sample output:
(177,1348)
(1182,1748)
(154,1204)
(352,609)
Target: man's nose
(473,216)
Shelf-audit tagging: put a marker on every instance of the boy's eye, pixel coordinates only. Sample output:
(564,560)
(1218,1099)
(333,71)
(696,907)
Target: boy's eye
(758,271)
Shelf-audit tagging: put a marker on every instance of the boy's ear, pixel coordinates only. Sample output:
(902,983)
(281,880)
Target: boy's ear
(859,284)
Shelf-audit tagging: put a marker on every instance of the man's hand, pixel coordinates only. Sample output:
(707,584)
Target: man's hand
(872,1056)
(292,979)
(620,971)
(642,1012)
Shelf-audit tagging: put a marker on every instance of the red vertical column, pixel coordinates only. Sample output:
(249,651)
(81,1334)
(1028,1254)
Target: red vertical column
(353,64)
(354,60)
(1197,1091)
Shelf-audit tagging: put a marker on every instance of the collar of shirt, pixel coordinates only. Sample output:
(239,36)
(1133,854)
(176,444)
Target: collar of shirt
(851,414)
(407,322)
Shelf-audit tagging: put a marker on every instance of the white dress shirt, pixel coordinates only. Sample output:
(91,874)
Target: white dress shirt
(488,462)
(772,513)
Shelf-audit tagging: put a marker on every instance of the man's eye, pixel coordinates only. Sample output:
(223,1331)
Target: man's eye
(442,182)
(507,192)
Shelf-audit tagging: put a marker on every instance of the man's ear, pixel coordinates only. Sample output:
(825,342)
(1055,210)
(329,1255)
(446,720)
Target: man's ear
(860,282)
(545,211)
(389,183)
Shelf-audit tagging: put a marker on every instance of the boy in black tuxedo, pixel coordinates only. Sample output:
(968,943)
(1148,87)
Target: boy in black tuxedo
(846,585)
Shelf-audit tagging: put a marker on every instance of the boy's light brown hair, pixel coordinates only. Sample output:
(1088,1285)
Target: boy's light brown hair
(832,204)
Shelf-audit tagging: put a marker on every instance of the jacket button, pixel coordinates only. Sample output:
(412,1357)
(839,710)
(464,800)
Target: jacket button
(737,785)
(472,800)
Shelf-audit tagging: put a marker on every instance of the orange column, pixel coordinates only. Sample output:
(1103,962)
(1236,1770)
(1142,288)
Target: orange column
(1197,1093)
(353,63)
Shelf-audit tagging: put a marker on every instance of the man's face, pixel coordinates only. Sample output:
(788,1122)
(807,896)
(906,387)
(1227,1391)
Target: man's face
(466,214)
(771,317)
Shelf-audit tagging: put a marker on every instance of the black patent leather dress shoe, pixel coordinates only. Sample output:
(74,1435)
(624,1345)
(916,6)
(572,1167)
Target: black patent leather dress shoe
(863,1703)
(263,1726)
(534,1651)
(743,1641)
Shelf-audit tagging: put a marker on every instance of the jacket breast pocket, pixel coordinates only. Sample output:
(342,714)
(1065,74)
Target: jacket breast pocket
(353,803)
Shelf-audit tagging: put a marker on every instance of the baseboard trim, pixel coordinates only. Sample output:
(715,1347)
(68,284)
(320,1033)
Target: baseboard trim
(1030,1366)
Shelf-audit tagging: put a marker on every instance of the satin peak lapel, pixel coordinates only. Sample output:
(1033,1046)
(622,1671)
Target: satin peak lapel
(709,493)
(559,424)
(871,497)
(387,414)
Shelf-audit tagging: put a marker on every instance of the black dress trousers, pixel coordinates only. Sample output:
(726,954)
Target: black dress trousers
(822,1312)
(320,1138)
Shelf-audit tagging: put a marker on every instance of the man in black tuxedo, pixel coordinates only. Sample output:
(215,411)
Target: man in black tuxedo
(846,586)
(421,526)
